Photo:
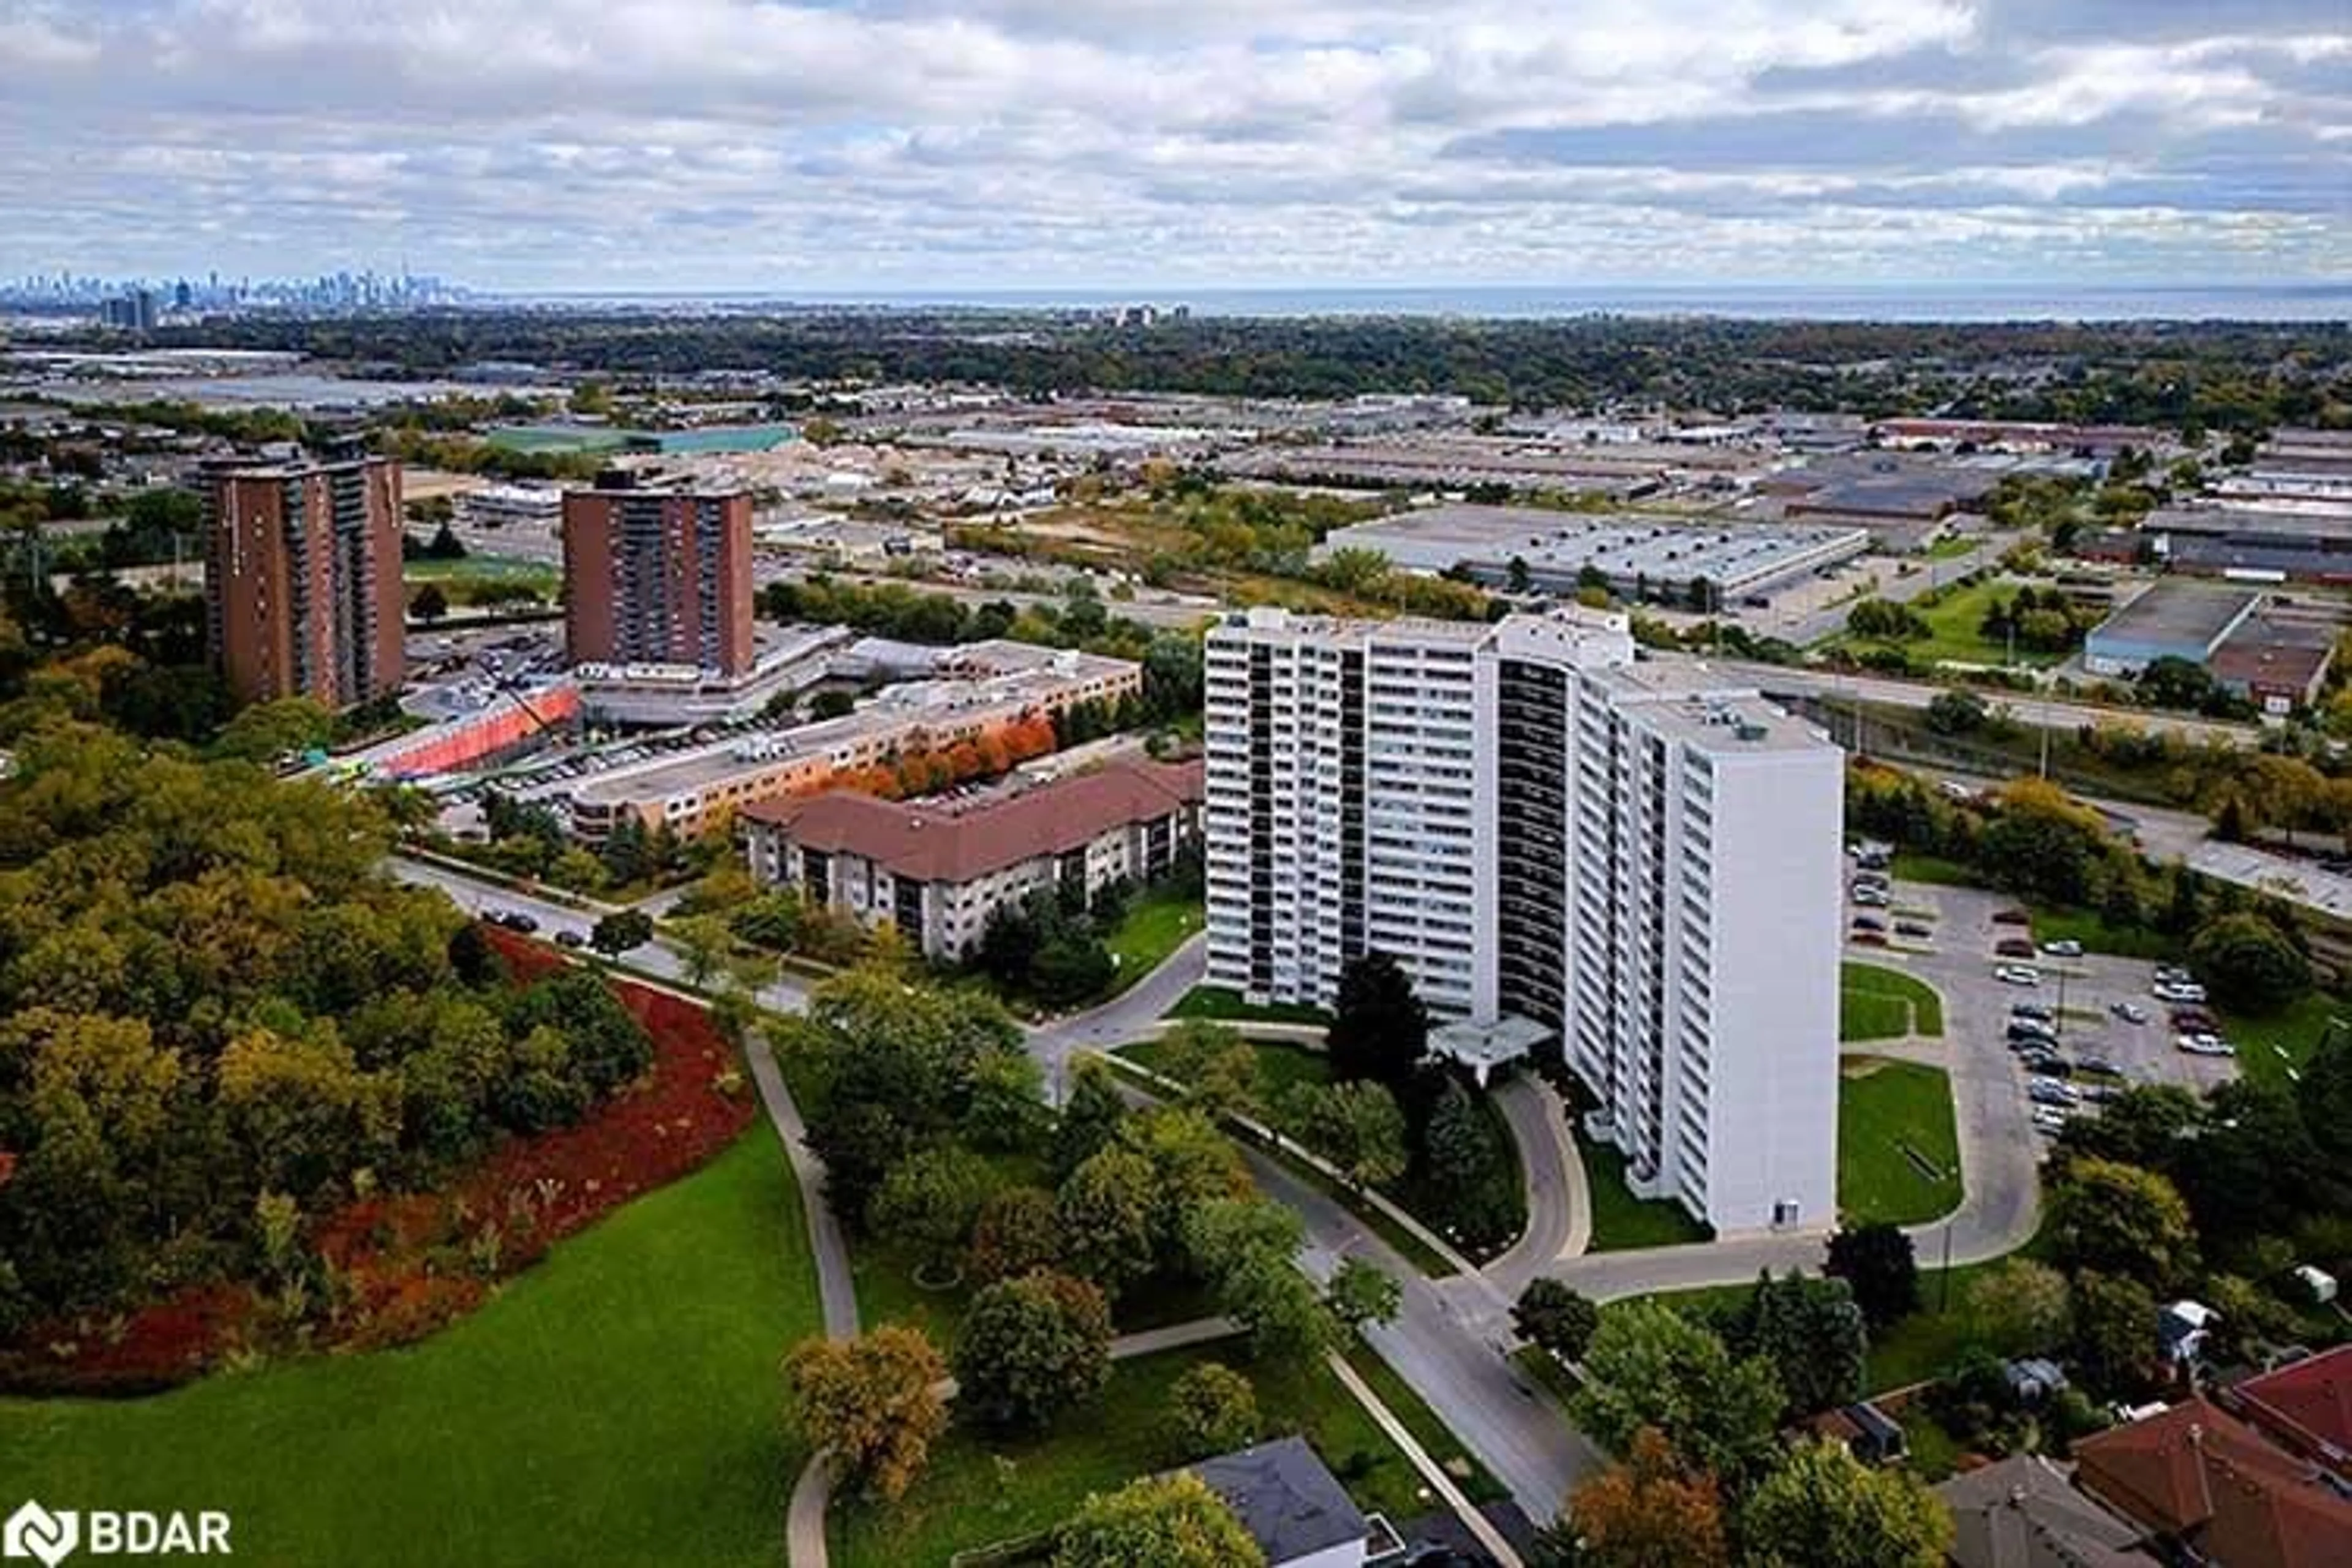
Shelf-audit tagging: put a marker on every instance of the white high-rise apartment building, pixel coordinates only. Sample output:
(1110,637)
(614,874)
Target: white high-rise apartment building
(1640,859)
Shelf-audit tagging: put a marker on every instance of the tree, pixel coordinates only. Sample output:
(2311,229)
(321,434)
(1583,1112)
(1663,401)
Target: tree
(703,943)
(930,1202)
(1159,1521)
(1822,1508)
(1071,966)
(1090,1120)
(1956,713)
(1880,1264)
(1360,1294)
(1211,1409)
(2247,962)
(1107,1211)
(1379,1030)
(1031,1348)
(1813,1334)
(266,731)
(2021,1308)
(1518,577)
(1650,1366)
(1648,1512)
(874,1401)
(1007,1109)
(1464,1169)
(1247,1248)
(2325,1095)
(1216,1064)
(1357,1126)
(2175,682)
(2115,1330)
(1558,1319)
(621,931)
(1016,1233)
(429,603)
(2119,1219)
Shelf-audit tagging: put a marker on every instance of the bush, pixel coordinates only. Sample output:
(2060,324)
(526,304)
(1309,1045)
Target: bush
(1211,1409)
(2247,962)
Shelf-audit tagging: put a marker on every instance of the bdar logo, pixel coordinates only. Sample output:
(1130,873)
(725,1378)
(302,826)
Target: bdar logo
(33,1532)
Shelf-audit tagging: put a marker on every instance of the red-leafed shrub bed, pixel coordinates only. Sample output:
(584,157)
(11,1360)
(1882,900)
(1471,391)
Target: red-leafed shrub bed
(389,1269)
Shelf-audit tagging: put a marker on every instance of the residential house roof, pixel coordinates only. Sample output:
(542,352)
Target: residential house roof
(1286,1498)
(2023,1513)
(932,842)
(2307,1404)
(2199,1475)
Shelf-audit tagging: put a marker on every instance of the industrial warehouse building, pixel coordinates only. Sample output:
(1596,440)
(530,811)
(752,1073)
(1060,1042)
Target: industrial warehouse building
(1639,558)
(2174,619)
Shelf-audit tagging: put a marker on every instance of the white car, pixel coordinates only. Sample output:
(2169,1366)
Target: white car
(2178,991)
(2018,974)
(2204,1045)
(2065,947)
(1869,895)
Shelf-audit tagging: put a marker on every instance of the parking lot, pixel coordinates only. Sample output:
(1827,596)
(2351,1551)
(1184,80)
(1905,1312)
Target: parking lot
(1989,1081)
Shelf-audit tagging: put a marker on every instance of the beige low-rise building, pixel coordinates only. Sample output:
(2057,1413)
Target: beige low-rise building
(938,870)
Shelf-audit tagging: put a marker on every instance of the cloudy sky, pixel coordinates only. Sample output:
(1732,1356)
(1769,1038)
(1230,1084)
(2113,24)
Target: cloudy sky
(908,145)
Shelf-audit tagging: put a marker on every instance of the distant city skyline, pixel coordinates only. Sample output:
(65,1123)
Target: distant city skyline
(877,147)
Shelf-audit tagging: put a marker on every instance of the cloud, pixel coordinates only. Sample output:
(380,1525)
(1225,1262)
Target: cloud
(873,144)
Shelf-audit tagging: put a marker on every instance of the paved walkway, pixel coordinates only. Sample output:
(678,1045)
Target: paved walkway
(1431,1471)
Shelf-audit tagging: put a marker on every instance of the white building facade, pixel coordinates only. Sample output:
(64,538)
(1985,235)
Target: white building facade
(1645,864)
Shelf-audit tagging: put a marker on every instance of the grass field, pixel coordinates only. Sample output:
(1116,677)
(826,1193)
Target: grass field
(1226,1006)
(1873,994)
(2092,930)
(1952,623)
(618,1403)
(2268,1044)
(1910,867)
(1620,1221)
(1280,1067)
(481,569)
(980,1489)
(1892,1116)
(1156,924)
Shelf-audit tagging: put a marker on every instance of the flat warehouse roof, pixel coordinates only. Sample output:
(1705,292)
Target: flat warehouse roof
(2179,614)
(1438,537)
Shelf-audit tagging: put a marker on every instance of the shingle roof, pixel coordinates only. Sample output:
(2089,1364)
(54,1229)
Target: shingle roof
(2309,1403)
(930,842)
(1286,1498)
(2021,1513)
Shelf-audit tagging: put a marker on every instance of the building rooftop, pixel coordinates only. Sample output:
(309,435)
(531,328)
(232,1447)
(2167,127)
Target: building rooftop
(1716,714)
(2309,1403)
(2266,522)
(2175,611)
(2023,1513)
(1286,1498)
(924,841)
(1557,543)
(2198,1474)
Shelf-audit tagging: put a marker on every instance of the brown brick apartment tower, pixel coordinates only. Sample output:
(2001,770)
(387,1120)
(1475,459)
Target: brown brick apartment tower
(657,575)
(302,591)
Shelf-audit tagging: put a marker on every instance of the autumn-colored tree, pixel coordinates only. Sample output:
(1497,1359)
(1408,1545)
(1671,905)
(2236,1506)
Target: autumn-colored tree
(1159,1521)
(875,1400)
(1649,1512)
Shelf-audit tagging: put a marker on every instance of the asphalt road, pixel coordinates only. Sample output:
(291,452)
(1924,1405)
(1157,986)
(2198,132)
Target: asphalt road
(1126,1016)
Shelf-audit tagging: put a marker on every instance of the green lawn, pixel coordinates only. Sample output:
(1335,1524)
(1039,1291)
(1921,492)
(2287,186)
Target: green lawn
(482,569)
(2270,1044)
(1891,1117)
(616,1404)
(1156,924)
(1621,1222)
(1281,1067)
(2092,930)
(980,1489)
(1952,623)
(1912,867)
(1880,1003)
(1227,1005)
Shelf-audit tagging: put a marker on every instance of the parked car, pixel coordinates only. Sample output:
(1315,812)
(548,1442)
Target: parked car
(2064,947)
(1868,938)
(2013,947)
(2177,991)
(2025,1036)
(2098,1065)
(2049,1120)
(2195,1021)
(1870,879)
(1875,897)
(568,938)
(2129,1011)
(2052,1091)
(2204,1046)
(2011,918)
(2173,974)
(1913,928)
(1868,922)
(2041,1013)
(2017,974)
